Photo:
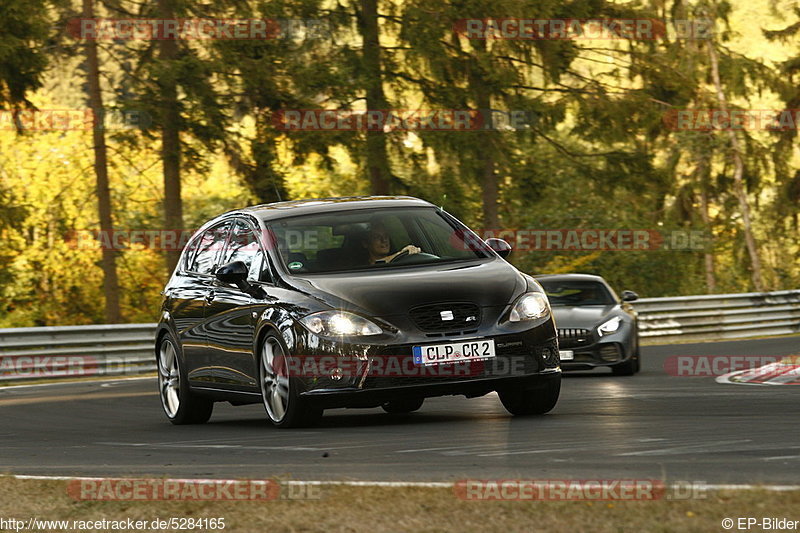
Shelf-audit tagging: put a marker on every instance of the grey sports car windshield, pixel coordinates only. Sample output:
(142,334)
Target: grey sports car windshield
(577,293)
(369,239)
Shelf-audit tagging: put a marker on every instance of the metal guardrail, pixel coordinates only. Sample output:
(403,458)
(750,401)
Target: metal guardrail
(719,316)
(76,351)
(117,349)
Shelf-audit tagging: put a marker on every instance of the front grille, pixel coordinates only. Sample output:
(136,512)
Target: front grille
(572,333)
(571,337)
(429,317)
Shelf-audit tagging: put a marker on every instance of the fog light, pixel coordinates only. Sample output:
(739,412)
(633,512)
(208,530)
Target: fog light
(610,353)
(551,356)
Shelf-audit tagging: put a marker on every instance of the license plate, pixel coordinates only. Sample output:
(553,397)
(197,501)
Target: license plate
(434,354)
(566,355)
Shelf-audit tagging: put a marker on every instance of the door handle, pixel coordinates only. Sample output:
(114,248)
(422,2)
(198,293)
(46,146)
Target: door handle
(210,296)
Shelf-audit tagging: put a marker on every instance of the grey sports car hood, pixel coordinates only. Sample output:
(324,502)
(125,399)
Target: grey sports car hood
(586,317)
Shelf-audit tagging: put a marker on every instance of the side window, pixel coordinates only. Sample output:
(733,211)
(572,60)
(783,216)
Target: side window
(259,270)
(243,245)
(208,246)
(190,251)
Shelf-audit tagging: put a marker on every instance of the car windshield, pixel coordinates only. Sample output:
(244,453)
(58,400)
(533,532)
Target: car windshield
(373,238)
(573,293)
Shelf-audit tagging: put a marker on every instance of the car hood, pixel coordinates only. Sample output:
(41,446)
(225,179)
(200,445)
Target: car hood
(394,291)
(583,317)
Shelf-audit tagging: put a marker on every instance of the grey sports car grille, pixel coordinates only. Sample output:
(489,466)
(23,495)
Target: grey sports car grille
(573,336)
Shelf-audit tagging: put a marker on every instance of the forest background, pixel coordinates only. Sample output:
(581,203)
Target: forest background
(190,128)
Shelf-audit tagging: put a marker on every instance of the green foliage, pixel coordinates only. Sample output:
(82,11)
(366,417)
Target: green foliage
(23,59)
(597,150)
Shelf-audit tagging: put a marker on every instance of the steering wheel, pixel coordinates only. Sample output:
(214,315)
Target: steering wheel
(398,256)
(413,259)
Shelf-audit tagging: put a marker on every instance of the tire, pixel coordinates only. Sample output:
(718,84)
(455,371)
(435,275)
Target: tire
(628,368)
(280,393)
(521,401)
(399,407)
(177,400)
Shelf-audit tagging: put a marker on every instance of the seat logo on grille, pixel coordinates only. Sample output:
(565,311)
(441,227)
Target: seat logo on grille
(446,315)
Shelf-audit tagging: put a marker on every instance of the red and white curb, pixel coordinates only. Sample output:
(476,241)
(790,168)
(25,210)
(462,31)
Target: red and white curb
(771,374)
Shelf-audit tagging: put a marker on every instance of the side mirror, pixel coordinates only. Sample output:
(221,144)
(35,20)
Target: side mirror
(500,246)
(234,273)
(629,296)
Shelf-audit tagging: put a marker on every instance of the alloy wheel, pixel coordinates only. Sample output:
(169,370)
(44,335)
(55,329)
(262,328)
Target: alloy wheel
(169,379)
(274,381)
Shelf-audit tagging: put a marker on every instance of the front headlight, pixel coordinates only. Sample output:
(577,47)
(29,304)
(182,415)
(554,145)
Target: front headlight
(339,323)
(609,326)
(529,306)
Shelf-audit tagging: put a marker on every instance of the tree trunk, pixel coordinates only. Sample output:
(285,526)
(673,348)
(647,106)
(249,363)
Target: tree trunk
(486,170)
(485,147)
(170,137)
(701,178)
(708,255)
(265,181)
(378,166)
(738,171)
(109,259)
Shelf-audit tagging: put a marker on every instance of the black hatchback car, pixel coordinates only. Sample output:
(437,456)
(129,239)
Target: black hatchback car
(596,328)
(350,302)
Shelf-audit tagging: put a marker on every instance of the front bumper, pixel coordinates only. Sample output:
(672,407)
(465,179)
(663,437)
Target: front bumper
(354,397)
(376,374)
(591,351)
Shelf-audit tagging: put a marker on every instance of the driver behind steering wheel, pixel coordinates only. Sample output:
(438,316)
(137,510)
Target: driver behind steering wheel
(378,245)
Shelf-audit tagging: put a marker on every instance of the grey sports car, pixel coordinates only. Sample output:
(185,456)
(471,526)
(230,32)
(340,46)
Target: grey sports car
(595,326)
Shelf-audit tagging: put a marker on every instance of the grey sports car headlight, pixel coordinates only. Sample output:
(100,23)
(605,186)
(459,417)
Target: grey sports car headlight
(529,306)
(609,326)
(339,323)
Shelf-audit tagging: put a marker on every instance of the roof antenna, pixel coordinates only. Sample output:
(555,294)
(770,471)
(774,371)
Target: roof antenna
(277,192)
(444,198)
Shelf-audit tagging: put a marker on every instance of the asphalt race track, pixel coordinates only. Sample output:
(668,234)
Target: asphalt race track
(652,425)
